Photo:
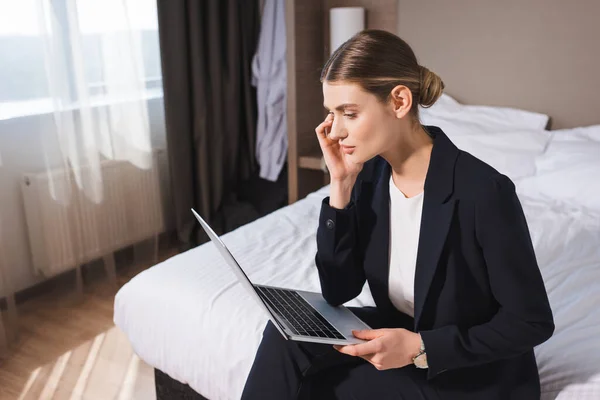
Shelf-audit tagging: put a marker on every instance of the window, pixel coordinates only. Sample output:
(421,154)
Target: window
(89,36)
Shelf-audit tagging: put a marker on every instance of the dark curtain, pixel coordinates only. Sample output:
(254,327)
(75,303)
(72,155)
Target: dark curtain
(210,109)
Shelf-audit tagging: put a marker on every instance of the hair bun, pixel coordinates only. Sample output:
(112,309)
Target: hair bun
(431,88)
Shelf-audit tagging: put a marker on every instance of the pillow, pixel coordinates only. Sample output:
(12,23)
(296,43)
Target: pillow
(517,140)
(567,173)
(511,153)
(587,133)
(455,118)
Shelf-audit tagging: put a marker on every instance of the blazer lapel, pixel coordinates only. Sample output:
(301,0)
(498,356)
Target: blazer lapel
(435,221)
(436,218)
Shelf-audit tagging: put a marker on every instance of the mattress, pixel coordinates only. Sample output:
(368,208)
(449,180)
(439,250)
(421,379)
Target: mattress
(190,318)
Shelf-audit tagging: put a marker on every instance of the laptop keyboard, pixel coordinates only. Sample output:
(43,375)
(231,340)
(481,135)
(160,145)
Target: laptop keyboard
(301,317)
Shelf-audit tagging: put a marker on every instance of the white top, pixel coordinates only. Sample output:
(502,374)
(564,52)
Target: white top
(405,224)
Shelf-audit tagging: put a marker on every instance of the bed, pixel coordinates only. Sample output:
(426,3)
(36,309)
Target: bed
(190,320)
(183,316)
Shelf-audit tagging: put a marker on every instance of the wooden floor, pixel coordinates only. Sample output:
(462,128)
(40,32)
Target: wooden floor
(69,347)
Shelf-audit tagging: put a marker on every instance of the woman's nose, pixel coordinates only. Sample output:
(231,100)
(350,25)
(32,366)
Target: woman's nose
(337,131)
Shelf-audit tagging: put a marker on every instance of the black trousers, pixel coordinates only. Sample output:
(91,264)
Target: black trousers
(285,369)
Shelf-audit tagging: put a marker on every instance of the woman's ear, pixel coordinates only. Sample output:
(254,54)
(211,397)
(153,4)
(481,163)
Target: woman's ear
(401,100)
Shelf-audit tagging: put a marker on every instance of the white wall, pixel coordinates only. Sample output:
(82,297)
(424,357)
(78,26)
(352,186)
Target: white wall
(18,156)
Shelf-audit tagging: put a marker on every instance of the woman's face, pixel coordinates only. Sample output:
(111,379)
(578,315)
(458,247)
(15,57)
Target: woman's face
(361,122)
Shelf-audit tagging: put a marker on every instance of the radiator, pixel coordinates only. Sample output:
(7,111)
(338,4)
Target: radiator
(67,232)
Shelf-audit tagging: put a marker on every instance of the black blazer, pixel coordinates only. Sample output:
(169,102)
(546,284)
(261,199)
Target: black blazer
(480,301)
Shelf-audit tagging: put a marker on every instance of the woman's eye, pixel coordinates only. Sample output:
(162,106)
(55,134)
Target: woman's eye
(350,115)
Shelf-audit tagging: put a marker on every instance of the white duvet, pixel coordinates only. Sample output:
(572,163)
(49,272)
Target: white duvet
(189,318)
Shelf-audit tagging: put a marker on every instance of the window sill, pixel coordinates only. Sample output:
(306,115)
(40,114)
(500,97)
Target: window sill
(45,106)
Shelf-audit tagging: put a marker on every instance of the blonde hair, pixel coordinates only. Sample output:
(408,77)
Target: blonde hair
(378,61)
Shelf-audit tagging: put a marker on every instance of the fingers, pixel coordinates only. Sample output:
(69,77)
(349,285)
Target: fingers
(345,349)
(368,334)
(359,349)
(323,129)
(372,358)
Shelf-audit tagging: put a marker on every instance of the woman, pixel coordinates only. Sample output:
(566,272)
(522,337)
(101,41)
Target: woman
(440,237)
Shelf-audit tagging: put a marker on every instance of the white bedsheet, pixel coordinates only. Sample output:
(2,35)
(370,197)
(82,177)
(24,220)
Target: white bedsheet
(180,315)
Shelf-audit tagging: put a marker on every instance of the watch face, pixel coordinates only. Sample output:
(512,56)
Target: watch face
(421,361)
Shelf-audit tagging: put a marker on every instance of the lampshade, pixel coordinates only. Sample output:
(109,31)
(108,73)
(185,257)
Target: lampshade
(344,22)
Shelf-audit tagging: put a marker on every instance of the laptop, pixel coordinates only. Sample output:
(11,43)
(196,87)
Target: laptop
(298,315)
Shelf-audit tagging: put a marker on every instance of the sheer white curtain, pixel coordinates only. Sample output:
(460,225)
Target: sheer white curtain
(97,82)
(76,83)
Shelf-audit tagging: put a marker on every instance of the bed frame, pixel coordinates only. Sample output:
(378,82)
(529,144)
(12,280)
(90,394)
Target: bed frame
(168,388)
(537,55)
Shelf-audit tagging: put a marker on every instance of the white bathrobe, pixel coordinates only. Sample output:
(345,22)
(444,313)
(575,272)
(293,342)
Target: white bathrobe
(269,76)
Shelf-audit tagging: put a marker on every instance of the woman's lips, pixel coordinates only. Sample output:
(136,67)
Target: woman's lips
(348,149)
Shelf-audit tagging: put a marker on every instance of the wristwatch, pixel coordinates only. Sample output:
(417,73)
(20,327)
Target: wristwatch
(420,360)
